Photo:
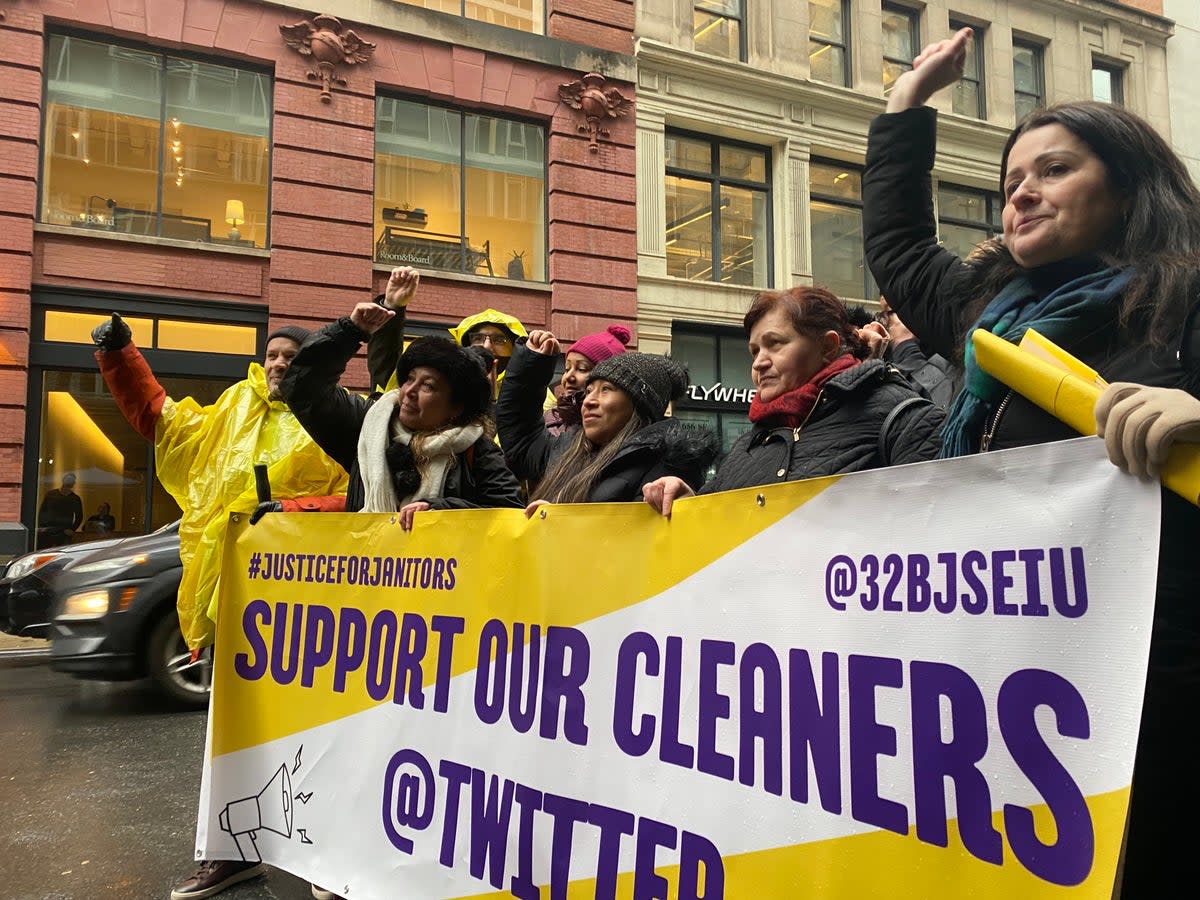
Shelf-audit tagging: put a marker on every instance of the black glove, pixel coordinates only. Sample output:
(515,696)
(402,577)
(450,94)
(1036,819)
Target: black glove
(265,507)
(113,335)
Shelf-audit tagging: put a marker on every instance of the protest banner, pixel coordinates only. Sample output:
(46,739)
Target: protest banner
(918,682)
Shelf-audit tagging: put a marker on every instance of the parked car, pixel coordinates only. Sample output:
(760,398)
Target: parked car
(108,608)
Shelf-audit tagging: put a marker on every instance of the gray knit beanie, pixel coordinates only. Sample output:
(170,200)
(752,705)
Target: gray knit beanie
(296,333)
(652,381)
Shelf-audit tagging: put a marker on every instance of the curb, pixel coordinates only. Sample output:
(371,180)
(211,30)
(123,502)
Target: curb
(25,657)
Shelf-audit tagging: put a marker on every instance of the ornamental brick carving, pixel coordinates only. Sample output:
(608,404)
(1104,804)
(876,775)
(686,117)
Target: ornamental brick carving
(598,101)
(330,44)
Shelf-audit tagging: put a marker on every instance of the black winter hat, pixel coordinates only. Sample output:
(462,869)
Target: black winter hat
(652,381)
(291,332)
(465,368)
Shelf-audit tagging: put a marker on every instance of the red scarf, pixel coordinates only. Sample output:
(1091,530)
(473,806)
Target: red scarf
(792,408)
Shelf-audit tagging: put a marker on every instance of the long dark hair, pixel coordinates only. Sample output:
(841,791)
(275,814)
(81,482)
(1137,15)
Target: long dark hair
(1160,236)
(573,475)
(812,312)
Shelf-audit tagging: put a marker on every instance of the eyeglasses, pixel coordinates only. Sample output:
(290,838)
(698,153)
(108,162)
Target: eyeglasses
(479,338)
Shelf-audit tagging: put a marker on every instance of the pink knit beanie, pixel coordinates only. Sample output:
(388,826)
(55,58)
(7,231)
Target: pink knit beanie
(600,346)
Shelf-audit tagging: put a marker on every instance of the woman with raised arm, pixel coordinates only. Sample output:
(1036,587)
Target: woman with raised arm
(1100,253)
(422,445)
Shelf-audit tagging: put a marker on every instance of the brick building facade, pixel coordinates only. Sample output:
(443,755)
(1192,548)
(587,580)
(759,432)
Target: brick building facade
(532,188)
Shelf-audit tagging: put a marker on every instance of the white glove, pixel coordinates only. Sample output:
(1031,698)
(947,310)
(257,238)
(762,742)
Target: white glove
(1141,424)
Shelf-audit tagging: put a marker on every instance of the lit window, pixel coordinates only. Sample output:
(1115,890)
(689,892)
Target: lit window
(1107,86)
(523,15)
(717,28)
(828,37)
(146,143)
(966,218)
(968,91)
(459,191)
(901,40)
(1028,78)
(835,205)
(63,326)
(718,210)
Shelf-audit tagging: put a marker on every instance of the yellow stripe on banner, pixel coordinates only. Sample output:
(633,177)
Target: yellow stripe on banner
(603,557)
(882,865)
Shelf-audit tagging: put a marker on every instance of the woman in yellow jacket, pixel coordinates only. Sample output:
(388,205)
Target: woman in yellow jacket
(205,455)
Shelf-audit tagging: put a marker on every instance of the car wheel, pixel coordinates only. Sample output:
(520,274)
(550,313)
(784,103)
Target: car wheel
(170,665)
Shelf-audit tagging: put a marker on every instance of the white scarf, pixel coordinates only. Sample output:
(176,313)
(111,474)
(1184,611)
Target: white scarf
(380,427)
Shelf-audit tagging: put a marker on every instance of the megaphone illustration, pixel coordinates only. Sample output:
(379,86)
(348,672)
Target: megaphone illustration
(270,808)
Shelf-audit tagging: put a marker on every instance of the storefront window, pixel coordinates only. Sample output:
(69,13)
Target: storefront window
(87,449)
(145,143)
(721,390)
(459,191)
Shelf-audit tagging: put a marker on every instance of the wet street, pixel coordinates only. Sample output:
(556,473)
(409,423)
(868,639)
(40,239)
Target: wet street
(98,791)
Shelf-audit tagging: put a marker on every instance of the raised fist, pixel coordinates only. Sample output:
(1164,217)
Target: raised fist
(112,335)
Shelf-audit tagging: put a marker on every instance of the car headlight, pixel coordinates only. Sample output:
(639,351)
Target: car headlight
(23,565)
(85,605)
(110,565)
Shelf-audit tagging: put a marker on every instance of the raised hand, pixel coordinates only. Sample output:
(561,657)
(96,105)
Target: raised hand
(543,342)
(401,287)
(112,335)
(370,317)
(938,66)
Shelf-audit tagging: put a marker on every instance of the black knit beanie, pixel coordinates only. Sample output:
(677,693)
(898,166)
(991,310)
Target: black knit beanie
(652,381)
(291,332)
(464,368)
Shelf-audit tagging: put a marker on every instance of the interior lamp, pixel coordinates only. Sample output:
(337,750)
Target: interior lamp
(235,215)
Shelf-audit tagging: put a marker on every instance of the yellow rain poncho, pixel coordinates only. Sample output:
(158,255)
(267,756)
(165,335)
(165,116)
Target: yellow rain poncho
(205,458)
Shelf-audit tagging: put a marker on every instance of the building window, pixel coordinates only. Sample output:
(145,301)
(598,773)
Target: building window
(1029,80)
(76,425)
(717,28)
(901,40)
(459,191)
(147,143)
(828,38)
(835,200)
(721,389)
(523,15)
(966,217)
(968,90)
(1107,86)
(718,210)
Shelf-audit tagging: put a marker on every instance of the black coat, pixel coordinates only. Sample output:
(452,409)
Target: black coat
(842,433)
(333,417)
(931,289)
(667,447)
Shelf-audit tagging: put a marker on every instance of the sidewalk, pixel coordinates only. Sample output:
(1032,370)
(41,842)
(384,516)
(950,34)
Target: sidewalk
(11,642)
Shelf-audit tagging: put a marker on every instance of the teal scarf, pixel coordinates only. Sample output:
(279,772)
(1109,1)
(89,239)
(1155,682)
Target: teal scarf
(1078,306)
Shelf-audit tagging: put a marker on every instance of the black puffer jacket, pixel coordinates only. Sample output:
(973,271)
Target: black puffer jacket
(842,434)
(931,289)
(667,447)
(333,417)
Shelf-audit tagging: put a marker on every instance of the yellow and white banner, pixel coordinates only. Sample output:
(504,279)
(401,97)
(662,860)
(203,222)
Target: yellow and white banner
(921,682)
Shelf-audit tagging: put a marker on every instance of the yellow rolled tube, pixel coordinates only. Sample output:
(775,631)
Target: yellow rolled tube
(1071,396)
